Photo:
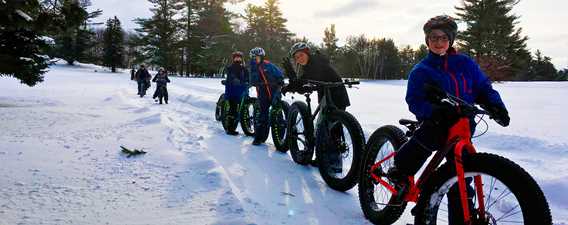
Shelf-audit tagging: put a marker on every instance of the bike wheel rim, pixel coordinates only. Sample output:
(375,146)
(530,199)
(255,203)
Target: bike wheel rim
(298,133)
(250,117)
(381,195)
(346,156)
(501,205)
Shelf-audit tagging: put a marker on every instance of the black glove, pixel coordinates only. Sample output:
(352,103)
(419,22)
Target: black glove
(288,68)
(434,94)
(500,115)
(445,114)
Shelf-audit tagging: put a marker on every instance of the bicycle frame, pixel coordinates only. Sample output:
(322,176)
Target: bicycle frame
(324,106)
(459,140)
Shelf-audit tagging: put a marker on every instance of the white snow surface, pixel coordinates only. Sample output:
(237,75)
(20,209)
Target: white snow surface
(60,160)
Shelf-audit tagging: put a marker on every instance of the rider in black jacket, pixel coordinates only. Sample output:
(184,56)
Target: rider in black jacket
(314,66)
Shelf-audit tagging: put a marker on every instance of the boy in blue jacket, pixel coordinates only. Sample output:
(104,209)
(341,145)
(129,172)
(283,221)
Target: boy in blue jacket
(455,73)
(236,86)
(268,80)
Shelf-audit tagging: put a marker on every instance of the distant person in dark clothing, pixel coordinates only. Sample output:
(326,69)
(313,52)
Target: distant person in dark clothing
(143,78)
(162,81)
(132,73)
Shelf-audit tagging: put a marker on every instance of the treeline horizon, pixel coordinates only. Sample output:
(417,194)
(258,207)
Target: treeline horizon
(203,45)
(197,37)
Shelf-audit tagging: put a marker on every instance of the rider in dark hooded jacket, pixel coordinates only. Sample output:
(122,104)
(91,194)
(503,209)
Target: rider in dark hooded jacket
(236,86)
(314,66)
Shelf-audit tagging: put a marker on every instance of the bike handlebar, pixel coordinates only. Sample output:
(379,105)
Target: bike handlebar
(332,84)
(442,97)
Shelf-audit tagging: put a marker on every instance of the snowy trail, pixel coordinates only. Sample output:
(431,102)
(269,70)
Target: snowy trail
(61,163)
(272,189)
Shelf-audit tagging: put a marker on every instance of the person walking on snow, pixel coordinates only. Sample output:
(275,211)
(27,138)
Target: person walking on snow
(162,81)
(142,78)
(268,80)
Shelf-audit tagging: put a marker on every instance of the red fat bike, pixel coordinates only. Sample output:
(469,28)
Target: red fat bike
(501,192)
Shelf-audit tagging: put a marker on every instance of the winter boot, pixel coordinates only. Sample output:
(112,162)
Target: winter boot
(400,181)
(335,156)
(256,142)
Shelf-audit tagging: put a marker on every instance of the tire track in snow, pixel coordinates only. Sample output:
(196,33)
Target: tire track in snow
(191,122)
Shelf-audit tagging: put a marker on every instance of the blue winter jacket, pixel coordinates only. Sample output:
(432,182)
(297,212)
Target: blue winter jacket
(457,74)
(268,79)
(237,82)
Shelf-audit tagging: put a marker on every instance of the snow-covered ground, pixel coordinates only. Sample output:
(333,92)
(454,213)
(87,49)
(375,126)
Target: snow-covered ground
(60,160)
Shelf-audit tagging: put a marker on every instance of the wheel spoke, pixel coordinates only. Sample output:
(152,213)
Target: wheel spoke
(503,194)
(491,187)
(508,221)
(298,121)
(301,140)
(506,215)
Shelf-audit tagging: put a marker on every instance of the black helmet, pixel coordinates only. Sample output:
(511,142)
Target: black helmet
(258,51)
(298,47)
(445,23)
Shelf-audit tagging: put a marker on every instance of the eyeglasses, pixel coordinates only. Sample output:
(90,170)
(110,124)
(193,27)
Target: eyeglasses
(443,38)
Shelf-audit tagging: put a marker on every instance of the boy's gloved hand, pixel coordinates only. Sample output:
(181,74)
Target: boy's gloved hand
(445,113)
(500,115)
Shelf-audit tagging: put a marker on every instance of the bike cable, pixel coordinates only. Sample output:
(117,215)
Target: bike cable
(477,123)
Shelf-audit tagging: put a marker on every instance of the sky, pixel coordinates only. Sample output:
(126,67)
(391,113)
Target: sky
(401,20)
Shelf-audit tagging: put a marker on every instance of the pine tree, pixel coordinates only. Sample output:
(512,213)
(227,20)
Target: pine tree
(541,69)
(73,37)
(420,53)
(278,36)
(492,39)
(376,58)
(563,75)
(22,25)
(266,27)
(188,21)
(407,61)
(214,32)
(160,36)
(113,44)
(330,42)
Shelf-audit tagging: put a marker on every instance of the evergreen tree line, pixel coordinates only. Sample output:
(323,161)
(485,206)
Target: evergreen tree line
(201,42)
(32,32)
(196,37)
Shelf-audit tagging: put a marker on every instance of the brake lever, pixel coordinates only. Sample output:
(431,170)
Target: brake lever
(448,101)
